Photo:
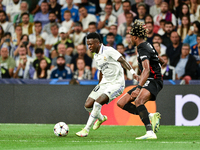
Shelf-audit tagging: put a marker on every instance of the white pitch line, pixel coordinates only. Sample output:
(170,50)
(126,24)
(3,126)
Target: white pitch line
(154,141)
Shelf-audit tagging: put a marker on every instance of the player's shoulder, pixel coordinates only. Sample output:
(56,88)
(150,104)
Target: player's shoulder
(146,46)
(107,48)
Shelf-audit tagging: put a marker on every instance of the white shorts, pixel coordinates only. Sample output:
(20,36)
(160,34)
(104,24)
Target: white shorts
(111,90)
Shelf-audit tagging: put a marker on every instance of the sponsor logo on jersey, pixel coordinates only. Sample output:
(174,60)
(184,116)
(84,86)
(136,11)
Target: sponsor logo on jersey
(142,57)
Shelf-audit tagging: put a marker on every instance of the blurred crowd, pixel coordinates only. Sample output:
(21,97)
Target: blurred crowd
(44,39)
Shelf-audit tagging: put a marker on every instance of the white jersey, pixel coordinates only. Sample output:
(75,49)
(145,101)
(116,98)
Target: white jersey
(106,61)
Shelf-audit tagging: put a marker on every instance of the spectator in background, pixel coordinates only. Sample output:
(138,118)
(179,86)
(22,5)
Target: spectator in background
(165,14)
(185,65)
(141,9)
(149,18)
(7,63)
(185,11)
(81,53)
(157,39)
(92,6)
(12,8)
(43,71)
(157,47)
(52,20)
(39,56)
(17,35)
(106,20)
(55,8)
(27,27)
(192,34)
(122,27)
(7,26)
(161,30)
(134,7)
(62,50)
(24,69)
(68,23)
(184,28)
(175,7)
(194,8)
(72,8)
(40,43)
(82,73)
(174,50)
(150,34)
(7,42)
(37,32)
(110,38)
(53,38)
(24,9)
(195,51)
(126,8)
(78,35)
(86,18)
(113,29)
(129,47)
(167,71)
(166,37)
(43,15)
(24,42)
(64,39)
(61,71)
(117,8)
(155,9)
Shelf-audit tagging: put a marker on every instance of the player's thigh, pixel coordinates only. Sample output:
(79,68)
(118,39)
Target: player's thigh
(105,93)
(143,97)
(124,100)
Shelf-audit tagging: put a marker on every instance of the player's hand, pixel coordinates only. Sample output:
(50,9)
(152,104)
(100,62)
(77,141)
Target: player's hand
(136,77)
(135,93)
(190,32)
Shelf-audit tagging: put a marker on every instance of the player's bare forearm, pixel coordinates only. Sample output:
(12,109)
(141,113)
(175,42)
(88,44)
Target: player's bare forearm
(124,63)
(100,76)
(145,73)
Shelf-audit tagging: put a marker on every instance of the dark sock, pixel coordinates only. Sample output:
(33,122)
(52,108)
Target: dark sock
(144,115)
(131,108)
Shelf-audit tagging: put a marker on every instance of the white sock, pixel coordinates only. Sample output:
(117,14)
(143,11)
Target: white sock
(94,115)
(88,109)
(150,115)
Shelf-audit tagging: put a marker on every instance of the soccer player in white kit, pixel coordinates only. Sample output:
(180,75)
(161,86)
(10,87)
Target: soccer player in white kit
(111,81)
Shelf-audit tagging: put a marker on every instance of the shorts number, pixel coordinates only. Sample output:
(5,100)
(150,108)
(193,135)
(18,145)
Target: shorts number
(96,88)
(147,83)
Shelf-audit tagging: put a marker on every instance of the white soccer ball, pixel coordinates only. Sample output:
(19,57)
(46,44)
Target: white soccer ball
(61,129)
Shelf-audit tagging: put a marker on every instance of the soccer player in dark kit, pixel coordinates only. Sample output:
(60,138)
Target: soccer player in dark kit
(150,82)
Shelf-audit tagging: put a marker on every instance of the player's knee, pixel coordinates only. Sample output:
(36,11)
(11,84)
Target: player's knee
(120,104)
(88,104)
(138,102)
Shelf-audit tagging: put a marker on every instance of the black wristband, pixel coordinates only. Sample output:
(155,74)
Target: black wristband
(139,87)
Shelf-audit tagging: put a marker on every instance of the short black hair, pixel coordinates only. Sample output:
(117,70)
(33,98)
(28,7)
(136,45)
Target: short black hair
(110,34)
(94,35)
(120,44)
(25,13)
(39,51)
(138,29)
(92,23)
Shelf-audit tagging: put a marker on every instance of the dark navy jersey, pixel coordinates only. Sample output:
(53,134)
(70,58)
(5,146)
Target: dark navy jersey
(147,51)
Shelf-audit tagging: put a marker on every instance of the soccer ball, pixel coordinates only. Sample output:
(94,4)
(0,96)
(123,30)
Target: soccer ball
(61,129)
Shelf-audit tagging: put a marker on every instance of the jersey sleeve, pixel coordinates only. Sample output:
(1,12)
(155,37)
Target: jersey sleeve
(113,53)
(143,54)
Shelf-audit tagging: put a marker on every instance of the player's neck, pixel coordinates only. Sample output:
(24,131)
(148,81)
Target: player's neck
(138,42)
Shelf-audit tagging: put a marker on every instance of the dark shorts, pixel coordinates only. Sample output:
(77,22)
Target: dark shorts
(153,86)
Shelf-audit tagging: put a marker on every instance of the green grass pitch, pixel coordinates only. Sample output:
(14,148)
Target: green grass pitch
(41,136)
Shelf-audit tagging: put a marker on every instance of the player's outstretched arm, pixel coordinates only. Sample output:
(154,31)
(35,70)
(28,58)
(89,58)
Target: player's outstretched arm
(126,65)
